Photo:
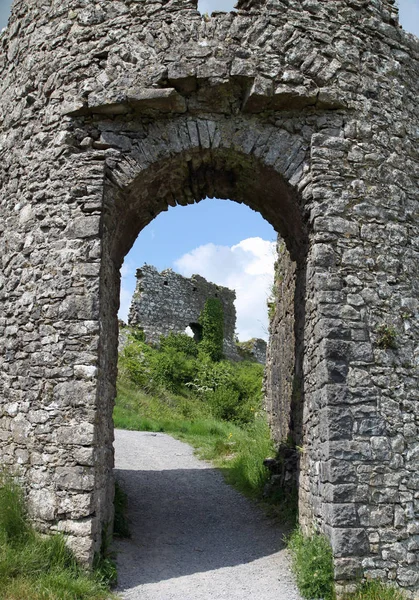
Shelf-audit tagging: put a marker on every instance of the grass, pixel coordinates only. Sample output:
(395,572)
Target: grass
(376,590)
(238,451)
(39,567)
(312,564)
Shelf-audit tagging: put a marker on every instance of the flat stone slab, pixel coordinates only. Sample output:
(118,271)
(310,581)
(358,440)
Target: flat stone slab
(193,536)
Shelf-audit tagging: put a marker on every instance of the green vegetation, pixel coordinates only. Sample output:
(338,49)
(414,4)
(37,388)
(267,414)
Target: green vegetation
(312,564)
(387,336)
(212,322)
(40,568)
(375,590)
(213,405)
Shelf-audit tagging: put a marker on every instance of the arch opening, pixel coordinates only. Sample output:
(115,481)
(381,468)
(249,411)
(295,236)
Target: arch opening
(183,179)
(196,331)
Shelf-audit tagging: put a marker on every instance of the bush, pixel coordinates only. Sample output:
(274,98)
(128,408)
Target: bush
(224,403)
(179,342)
(172,369)
(312,563)
(231,391)
(135,363)
(211,375)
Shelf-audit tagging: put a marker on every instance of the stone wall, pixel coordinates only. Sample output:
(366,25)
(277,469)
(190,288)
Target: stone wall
(111,111)
(281,383)
(167,302)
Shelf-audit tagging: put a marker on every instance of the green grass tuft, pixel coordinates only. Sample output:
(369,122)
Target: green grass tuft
(37,567)
(376,590)
(312,564)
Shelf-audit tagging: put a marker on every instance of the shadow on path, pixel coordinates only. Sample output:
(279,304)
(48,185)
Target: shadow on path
(185,520)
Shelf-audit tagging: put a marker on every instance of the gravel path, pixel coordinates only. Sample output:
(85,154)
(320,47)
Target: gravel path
(193,536)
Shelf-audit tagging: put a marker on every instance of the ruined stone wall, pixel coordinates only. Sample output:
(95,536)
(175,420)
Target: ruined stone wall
(258,348)
(306,111)
(280,381)
(167,302)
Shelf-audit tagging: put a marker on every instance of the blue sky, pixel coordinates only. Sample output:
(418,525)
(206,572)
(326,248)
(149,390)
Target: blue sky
(225,242)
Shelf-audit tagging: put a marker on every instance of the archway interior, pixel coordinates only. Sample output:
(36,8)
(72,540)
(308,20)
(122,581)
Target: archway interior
(181,180)
(227,243)
(191,177)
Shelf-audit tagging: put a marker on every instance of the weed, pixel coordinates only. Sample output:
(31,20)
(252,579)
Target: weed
(387,336)
(312,563)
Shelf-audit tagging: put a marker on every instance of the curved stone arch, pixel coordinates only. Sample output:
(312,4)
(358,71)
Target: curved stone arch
(184,160)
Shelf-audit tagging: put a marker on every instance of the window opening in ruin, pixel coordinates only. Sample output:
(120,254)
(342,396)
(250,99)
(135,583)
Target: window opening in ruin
(196,330)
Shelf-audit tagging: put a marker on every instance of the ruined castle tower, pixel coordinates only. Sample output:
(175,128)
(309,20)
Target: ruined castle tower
(168,302)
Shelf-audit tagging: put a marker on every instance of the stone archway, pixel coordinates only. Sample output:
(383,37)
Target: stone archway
(305,113)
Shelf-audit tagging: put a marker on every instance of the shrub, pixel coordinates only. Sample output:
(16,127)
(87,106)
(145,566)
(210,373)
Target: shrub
(211,375)
(387,336)
(172,369)
(179,342)
(224,403)
(135,363)
(248,380)
(312,563)
(231,391)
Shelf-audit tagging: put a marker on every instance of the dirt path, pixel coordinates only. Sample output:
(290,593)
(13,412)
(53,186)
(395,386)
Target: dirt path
(193,536)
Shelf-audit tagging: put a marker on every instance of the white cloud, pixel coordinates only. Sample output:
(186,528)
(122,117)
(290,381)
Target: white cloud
(246,267)
(128,282)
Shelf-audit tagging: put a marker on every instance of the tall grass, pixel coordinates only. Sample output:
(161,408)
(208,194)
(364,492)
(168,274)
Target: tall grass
(312,564)
(34,567)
